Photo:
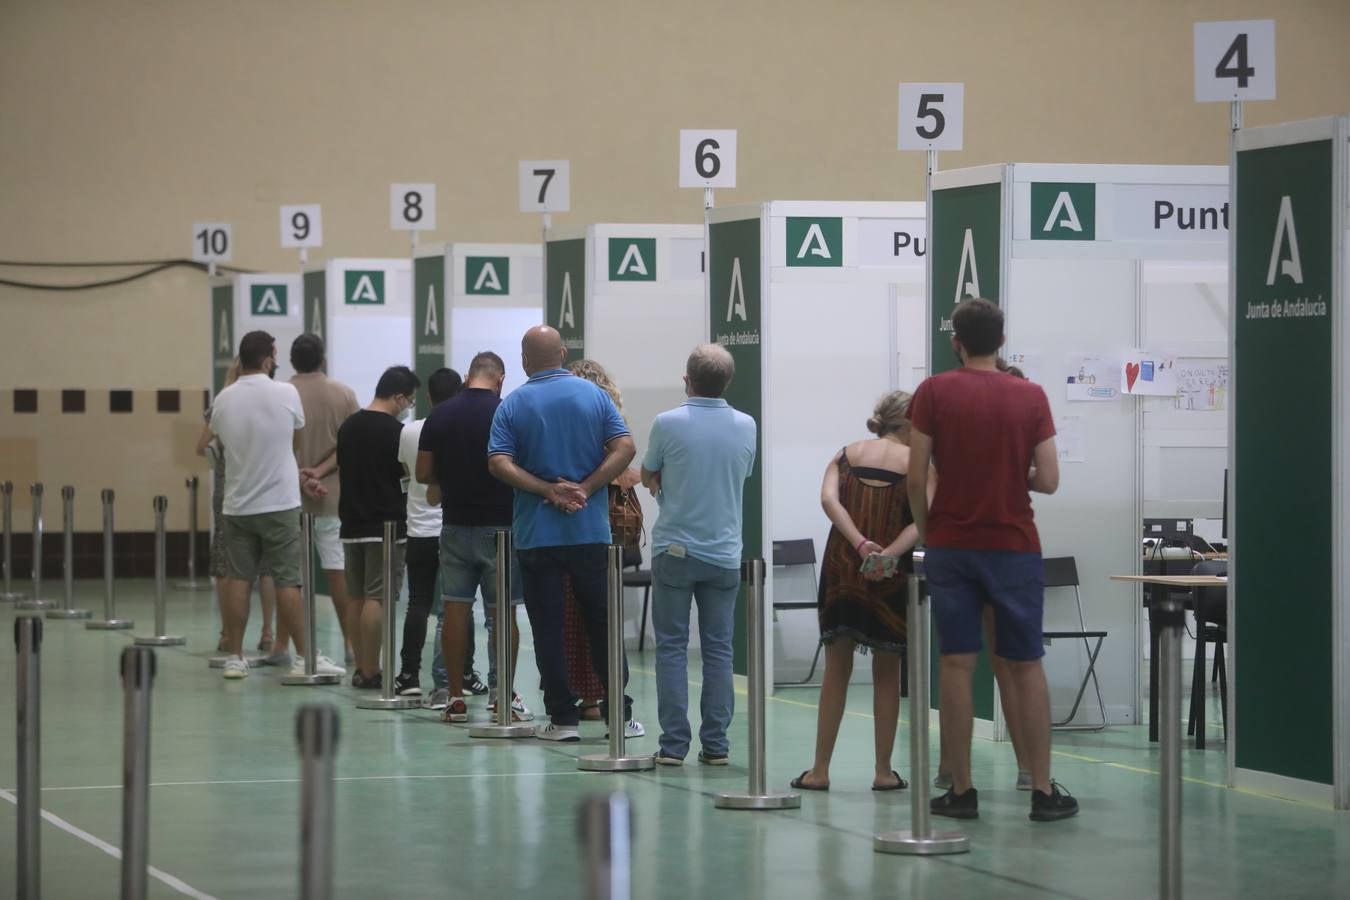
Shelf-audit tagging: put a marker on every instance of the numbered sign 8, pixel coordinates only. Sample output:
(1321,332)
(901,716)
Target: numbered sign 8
(545,185)
(212,242)
(302,226)
(707,158)
(931,116)
(1235,60)
(412,207)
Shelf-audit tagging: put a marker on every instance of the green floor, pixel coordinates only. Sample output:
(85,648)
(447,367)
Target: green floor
(425,811)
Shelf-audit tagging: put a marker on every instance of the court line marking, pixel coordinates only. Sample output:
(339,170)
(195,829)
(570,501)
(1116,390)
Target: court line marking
(172,881)
(405,777)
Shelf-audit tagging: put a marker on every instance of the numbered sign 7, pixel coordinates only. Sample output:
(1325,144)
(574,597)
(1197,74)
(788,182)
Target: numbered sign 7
(545,185)
(412,207)
(931,116)
(707,158)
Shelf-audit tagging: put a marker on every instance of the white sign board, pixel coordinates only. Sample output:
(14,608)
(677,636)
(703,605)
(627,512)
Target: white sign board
(545,185)
(412,207)
(707,158)
(302,226)
(1235,61)
(212,242)
(931,116)
(1170,212)
(892,242)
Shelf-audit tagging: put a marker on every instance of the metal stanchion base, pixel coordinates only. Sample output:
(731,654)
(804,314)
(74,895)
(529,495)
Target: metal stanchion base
(12,597)
(390,703)
(309,679)
(501,731)
(35,603)
(194,585)
(607,763)
(69,614)
(936,843)
(160,640)
(112,625)
(767,800)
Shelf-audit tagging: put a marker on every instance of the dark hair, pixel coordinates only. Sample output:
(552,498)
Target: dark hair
(486,364)
(254,348)
(307,353)
(443,384)
(978,325)
(397,380)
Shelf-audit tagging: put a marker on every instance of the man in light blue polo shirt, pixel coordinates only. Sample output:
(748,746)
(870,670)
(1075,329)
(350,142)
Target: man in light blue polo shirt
(698,459)
(559,441)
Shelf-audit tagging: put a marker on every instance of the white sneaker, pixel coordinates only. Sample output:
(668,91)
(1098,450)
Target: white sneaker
(552,732)
(633,729)
(322,666)
(519,711)
(438,699)
(236,667)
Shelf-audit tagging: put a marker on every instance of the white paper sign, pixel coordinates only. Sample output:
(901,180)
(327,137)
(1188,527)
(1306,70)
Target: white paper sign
(302,225)
(1148,374)
(1028,364)
(545,185)
(1202,385)
(707,158)
(892,242)
(1235,60)
(1170,212)
(1092,379)
(412,207)
(1069,440)
(212,242)
(931,116)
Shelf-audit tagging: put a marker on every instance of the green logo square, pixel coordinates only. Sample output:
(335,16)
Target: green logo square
(1063,211)
(815,241)
(363,287)
(487,275)
(267,299)
(632,259)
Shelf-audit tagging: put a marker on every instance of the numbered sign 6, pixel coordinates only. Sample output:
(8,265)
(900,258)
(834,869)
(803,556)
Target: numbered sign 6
(1235,60)
(302,226)
(545,185)
(212,242)
(931,116)
(707,158)
(412,207)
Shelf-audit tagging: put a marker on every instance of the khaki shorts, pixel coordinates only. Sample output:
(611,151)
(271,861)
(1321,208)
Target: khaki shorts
(364,565)
(261,543)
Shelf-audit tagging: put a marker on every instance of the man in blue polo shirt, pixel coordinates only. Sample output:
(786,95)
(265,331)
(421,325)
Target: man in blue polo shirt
(697,461)
(559,441)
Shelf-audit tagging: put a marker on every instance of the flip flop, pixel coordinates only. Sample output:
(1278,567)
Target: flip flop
(800,785)
(900,784)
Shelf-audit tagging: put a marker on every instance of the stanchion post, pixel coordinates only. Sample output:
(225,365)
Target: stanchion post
(192,583)
(138,675)
(28,643)
(616,759)
(505,615)
(161,637)
(109,622)
(316,731)
(1171,619)
(68,611)
(758,796)
(920,840)
(8,594)
(606,826)
(35,600)
(311,675)
(388,699)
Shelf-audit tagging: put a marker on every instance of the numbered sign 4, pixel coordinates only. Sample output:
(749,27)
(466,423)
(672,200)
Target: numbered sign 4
(302,225)
(707,158)
(545,185)
(212,242)
(932,116)
(412,207)
(1235,60)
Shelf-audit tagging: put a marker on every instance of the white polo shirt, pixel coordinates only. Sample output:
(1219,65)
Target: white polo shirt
(256,419)
(424,520)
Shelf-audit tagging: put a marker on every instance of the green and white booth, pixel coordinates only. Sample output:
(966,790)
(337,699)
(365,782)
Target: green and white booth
(1098,269)
(269,302)
(362,308)
(816,301)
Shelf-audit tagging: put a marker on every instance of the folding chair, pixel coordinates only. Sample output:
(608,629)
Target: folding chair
(1062,571)
(798,553)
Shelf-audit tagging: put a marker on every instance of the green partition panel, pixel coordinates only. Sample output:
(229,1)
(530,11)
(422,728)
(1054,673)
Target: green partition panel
(565,293)
(429,322)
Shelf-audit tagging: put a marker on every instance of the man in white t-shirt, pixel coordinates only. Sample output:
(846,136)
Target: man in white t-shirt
(256,419)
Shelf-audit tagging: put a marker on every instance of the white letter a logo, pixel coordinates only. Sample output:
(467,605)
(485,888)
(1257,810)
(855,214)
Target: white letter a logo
(565,317)
(1063,204)
(1284,229)
(967,279)
(632,262)
(432,326)
(364,292)
(736,295)
(814,243)
(487,278)
(224,346)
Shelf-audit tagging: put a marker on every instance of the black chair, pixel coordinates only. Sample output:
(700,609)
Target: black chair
(638,578)
(787,554)
(1211,627)
(1062,572)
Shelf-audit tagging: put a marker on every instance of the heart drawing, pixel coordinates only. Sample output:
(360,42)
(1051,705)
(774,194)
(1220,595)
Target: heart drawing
(1131,375)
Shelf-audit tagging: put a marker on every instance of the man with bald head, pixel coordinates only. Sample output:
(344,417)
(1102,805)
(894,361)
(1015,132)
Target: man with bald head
(558,441)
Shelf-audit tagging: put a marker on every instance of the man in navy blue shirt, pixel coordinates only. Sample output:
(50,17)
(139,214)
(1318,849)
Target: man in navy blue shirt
(559,441)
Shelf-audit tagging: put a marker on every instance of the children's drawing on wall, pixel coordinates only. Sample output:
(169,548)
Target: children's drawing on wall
(1092,378)
(1148,374)
(1202,385)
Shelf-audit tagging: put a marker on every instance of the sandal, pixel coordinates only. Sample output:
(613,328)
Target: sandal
(900,784)
(799,783)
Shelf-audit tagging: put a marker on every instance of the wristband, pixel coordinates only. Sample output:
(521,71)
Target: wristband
(858,549)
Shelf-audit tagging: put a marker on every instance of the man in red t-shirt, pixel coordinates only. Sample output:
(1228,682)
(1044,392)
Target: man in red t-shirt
(984,431)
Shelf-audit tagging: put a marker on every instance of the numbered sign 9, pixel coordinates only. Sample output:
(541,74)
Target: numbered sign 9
(707,158)
(412,207)
(212,242)
(302,226)
(545,185)
(1235,60)
(931,116)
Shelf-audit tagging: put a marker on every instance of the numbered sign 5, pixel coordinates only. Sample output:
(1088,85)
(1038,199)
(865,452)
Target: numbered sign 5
(412,207)
(1235,60)
(932,116)
(707,158)
(212,242)
(545,185)
(302,226)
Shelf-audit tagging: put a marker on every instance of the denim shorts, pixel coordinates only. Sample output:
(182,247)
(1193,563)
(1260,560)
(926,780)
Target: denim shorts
(469,565)
(962,582)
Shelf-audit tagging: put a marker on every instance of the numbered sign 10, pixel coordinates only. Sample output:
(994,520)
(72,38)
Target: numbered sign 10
(212,242)
(931,116)
(545,185)
(412,207)
(1235,60)
(707,158)
(302,225)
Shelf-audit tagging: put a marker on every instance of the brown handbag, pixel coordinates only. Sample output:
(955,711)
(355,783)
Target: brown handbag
(625,517)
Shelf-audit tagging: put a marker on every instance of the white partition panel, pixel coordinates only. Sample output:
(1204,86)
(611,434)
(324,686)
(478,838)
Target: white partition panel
(496,294)
(368,307)
(259,301)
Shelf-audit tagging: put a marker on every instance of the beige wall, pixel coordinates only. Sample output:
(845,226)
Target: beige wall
(123,122)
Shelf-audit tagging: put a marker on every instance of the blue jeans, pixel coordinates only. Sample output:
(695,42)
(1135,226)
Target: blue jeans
(963,582)
(674,582)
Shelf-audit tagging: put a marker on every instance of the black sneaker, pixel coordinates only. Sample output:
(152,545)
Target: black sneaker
(367,683)
(712,759)
(957,806)
(473,683)
(1058,804)
(407,685)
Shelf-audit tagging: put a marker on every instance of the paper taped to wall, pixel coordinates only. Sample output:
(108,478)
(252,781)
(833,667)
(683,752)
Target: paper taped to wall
(1202,385)
(1148,373)
(1092,378)
(1069,439)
